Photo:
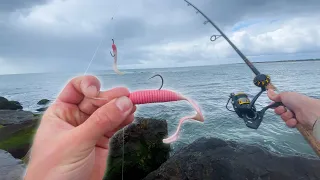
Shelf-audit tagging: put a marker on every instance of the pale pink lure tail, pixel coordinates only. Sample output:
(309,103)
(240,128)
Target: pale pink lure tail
(115,59)
(115,67)
(154,96)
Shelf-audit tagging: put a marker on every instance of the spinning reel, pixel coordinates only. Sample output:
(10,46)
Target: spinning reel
(246,109)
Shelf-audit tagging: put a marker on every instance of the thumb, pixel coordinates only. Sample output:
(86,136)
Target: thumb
(105,119)
(273,96)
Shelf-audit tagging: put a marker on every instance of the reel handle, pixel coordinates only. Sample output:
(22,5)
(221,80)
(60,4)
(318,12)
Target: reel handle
(274,105)
(255,122)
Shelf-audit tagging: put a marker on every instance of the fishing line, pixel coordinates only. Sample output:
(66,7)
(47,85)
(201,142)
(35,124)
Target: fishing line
(98,47)
(94,54)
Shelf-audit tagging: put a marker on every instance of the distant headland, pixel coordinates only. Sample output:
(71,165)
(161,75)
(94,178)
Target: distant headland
(300,60)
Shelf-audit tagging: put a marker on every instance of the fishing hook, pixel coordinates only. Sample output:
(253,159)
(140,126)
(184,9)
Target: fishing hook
(160,77)
(110,51)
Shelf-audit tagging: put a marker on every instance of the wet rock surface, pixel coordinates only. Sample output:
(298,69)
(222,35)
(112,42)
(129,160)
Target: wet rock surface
(10,117)
(43,102)
(42,109)
(226,160)
(10,168)
(5,104)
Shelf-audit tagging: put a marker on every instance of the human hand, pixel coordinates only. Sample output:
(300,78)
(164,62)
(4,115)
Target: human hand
(301,108)
(72,139)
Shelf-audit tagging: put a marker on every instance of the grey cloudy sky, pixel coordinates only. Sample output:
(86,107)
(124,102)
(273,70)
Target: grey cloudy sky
(62,35)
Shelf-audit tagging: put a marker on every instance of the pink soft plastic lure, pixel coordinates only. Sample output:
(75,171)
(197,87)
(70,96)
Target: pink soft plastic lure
(115,56)
(157,96)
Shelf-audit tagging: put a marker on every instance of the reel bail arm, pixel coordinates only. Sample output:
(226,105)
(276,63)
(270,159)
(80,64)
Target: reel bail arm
(246,109)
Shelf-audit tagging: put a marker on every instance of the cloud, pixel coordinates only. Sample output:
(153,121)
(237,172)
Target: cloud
(12,5)
(55,35)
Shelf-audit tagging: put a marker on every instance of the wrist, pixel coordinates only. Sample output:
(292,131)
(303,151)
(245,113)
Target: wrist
(316,129)
(314,113)
(314,124)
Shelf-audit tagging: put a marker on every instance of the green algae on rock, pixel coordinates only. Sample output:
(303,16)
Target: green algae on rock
(17,138)
(144,150)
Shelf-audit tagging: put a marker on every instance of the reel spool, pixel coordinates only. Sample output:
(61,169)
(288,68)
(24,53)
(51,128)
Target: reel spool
(246,109)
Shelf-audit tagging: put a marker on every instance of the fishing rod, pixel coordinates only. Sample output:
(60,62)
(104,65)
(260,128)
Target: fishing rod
(242,105)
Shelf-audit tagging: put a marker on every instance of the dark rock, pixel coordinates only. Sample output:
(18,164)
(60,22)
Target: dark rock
(9,117)
(226,160)
(144,151)
(42,109)
(9,105)
(10,168)
(43,102)
(17,138)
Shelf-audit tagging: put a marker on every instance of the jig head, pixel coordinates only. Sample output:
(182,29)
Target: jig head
(114,48)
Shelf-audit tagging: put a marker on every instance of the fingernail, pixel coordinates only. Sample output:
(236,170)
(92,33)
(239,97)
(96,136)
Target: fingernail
(123,103)
(91,91)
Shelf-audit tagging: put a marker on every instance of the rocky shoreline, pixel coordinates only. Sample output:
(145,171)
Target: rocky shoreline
(17,128)
(146,157)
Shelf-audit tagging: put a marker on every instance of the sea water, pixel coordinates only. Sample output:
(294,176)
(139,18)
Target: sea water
(209,86)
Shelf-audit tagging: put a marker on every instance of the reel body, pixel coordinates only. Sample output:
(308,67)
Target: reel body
(241,104)
(246,109)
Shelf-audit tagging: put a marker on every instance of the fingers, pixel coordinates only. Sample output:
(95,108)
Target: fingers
(287,116)
(78,88)
(280,110)
(273,96)
(89,105)
(67,112)
(291,122)
(105,119)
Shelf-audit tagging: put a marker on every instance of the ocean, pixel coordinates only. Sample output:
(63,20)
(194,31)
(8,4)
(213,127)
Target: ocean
(209,86)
